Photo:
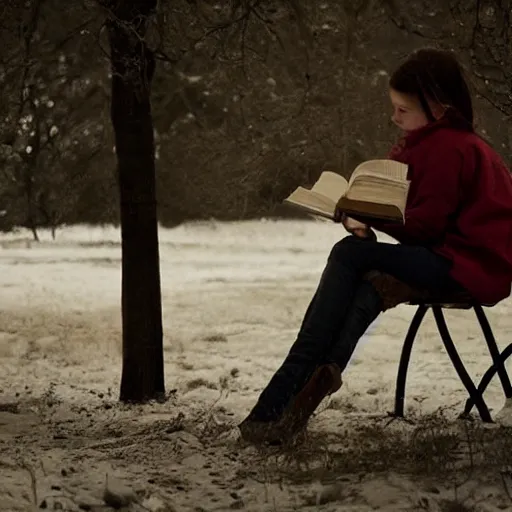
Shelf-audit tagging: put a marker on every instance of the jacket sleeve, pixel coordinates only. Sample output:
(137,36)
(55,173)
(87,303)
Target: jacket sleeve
(437,185)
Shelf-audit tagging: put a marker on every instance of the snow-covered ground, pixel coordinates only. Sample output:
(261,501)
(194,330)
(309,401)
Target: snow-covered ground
(233,298)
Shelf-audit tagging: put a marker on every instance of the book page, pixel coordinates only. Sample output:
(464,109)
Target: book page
(330,185)
(388,169)
(312,201)
(321,199)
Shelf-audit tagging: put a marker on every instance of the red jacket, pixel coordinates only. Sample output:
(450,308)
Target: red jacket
(460,205)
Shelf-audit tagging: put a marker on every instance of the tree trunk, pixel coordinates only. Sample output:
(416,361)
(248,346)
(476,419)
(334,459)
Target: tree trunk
(132,70)
(31,214)
(33,228)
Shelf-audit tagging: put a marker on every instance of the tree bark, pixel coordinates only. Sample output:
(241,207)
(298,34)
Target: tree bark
(132,71)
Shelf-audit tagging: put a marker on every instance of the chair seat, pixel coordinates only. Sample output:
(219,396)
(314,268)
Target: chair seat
(455,300)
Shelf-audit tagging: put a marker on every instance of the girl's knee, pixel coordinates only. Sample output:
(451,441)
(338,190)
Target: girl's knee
(344,248)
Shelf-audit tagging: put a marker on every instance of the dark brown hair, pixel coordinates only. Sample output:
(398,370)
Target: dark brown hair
(436,75)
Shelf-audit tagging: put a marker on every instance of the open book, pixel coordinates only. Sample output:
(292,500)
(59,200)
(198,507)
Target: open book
(377,189)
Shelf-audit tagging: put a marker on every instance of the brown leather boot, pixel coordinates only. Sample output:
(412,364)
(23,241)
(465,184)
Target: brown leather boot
(326,379)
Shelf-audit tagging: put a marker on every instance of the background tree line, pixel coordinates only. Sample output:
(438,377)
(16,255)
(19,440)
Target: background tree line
(249,99)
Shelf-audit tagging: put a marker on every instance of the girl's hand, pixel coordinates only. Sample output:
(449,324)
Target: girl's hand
(356,228)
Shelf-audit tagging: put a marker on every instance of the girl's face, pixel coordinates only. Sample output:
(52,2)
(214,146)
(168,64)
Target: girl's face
(408,114)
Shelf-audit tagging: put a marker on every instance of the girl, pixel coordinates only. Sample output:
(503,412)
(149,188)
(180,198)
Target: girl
(457,237)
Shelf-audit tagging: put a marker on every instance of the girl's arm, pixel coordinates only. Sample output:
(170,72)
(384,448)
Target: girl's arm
(437,197)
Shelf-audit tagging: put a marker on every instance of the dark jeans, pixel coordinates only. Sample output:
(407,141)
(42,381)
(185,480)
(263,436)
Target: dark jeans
(343,307)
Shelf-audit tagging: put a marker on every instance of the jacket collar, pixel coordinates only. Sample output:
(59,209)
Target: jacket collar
(412,138)
(451,120)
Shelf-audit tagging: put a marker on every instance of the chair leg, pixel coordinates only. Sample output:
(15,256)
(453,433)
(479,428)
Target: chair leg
(475,395)
(498,361)
(486,379)
(405,358)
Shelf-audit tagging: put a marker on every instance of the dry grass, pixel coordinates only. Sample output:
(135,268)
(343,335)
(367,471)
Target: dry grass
(433,446)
